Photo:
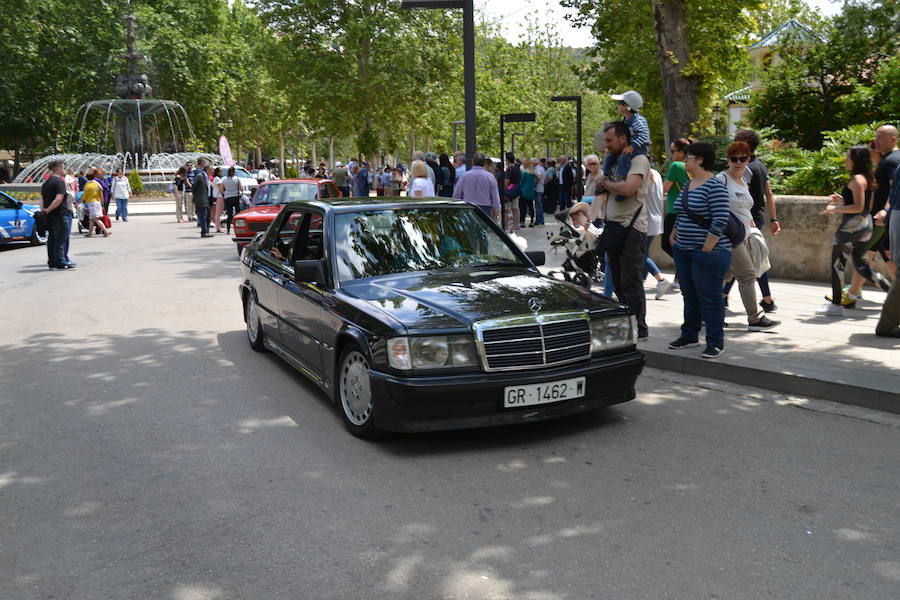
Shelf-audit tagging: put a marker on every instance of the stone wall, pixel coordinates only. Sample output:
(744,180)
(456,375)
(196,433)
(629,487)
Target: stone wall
(803,248)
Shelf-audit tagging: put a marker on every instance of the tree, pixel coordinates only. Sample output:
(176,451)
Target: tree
(825,84)
(693,52)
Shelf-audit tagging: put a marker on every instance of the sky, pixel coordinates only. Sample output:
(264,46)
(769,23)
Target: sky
(511,13)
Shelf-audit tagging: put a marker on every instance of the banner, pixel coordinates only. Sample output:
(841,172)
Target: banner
(225,151)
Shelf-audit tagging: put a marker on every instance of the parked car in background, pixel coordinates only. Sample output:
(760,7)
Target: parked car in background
(17,221)
(417,315)
(270,198)
(248,181)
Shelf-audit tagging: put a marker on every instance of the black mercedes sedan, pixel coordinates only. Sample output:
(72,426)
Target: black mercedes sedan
(420,314)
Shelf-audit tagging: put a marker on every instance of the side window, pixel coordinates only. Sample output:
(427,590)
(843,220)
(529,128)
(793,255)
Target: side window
(280,244)
(310,240)
(324,191)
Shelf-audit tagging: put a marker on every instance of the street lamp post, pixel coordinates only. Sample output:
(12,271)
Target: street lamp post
(455,143)
(577,101)
(468,9)
(511,118)
(512,143)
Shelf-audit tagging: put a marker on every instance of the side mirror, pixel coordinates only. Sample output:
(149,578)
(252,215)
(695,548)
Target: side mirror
(310,271)
(537,257)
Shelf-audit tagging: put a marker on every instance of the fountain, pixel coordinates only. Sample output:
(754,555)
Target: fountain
(145,134)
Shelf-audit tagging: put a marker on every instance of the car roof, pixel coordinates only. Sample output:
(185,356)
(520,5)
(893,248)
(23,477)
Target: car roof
(341,205)
(307,180)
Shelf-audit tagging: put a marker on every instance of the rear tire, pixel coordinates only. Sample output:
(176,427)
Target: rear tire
(240,251)
(354,394)
(255,334)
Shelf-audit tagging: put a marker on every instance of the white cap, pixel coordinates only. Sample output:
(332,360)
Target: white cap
(339,164)
(631,98)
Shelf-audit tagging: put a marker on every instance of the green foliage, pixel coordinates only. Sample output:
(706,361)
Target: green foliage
(826,86)
(292,173)
(134,179)
(795,170)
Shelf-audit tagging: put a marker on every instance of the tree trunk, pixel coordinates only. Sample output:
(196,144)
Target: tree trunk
(281,169)
(312,146)
(679,91)
(331,151)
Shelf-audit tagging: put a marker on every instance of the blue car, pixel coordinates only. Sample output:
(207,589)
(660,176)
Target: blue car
(17,222)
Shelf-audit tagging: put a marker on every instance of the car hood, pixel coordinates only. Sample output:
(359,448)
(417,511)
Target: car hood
(456,299)
(267,211)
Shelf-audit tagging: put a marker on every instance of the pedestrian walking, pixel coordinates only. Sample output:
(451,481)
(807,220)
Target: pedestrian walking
(654,204)
(201,192)
(59,219)
(526,193)
(763,204)
(190,175)
(93,203)
(121,191)
(675,180)
(855,231)
(511,179)
(232,188)
(178,183)
(539,171)
(889,321)
(219,195)
(737,181)
(702,252)
(478,186)
(449,175)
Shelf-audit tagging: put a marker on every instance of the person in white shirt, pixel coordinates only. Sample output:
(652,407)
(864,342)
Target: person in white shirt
(421,186)
(263,173)
(121,191)
(231,190)
(539,171)
(654,206)
(219,195)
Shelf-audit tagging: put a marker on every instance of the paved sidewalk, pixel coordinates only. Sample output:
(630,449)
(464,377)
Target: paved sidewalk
(838,359)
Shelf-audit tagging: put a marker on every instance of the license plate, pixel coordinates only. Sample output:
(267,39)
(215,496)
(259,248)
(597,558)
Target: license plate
(515,396)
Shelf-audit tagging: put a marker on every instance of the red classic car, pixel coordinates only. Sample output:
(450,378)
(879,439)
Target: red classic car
(270,198)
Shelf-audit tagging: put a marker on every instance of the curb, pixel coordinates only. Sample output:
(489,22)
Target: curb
(784,383)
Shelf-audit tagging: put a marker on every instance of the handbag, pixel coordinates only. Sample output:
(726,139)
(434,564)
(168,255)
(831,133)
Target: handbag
(513,191)
(613,237)
(734,230)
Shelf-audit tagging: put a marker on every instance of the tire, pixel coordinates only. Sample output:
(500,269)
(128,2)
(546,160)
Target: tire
(239,251)
(255,334)
(354,394)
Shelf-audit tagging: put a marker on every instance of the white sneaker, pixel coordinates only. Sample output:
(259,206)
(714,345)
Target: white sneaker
(831,310)
(662,288)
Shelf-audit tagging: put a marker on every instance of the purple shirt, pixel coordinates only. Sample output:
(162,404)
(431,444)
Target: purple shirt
(478,187)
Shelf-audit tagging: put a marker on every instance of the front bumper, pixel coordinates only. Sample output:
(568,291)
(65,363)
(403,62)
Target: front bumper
(243,240)
(476,399)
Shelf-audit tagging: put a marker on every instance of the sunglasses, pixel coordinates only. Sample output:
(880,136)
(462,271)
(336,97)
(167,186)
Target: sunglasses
(738,159)
(591,164)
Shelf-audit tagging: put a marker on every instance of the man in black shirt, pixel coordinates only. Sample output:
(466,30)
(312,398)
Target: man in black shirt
(59,219)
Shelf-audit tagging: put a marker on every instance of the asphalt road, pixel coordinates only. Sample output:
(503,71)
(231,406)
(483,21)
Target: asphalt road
(147,452)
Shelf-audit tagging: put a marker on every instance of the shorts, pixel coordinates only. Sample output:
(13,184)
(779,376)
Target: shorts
(880,242)
(94,210)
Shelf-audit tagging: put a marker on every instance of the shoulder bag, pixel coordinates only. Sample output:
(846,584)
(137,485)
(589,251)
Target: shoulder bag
(613,237)
(735,231)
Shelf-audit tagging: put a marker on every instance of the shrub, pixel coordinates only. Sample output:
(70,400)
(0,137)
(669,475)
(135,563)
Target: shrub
(137,186)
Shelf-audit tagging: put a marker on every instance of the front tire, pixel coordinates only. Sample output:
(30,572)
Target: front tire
(255,334)
(354,394)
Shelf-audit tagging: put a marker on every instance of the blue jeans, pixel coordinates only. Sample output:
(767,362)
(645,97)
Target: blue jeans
(203,218)
(122,208)
(649,266)
(700,275)
(539,208)
(564,200)
(58,227)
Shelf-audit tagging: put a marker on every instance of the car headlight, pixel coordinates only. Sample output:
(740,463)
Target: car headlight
(431,352)
(615,332)
(240,223)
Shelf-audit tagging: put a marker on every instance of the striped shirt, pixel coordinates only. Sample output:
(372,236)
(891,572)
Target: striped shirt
(709,201)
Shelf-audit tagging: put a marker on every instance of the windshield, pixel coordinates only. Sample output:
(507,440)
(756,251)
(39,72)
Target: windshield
(241,173)
(282,193)
(416,239)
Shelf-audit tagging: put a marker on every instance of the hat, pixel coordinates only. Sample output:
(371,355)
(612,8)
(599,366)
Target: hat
(631,98)
(339,164)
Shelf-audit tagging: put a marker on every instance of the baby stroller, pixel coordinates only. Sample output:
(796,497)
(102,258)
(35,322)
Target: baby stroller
(583,265)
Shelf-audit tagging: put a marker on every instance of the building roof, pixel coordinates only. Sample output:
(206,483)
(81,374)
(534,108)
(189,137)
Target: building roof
(791,27)
(741,95)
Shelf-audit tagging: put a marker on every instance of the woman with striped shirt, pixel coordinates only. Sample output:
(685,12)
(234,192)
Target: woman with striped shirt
(702,252)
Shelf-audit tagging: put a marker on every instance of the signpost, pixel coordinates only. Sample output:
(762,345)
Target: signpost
(511,118)
(468,59)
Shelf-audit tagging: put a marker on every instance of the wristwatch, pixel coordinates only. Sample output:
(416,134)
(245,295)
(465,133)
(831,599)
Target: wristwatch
(773,220)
